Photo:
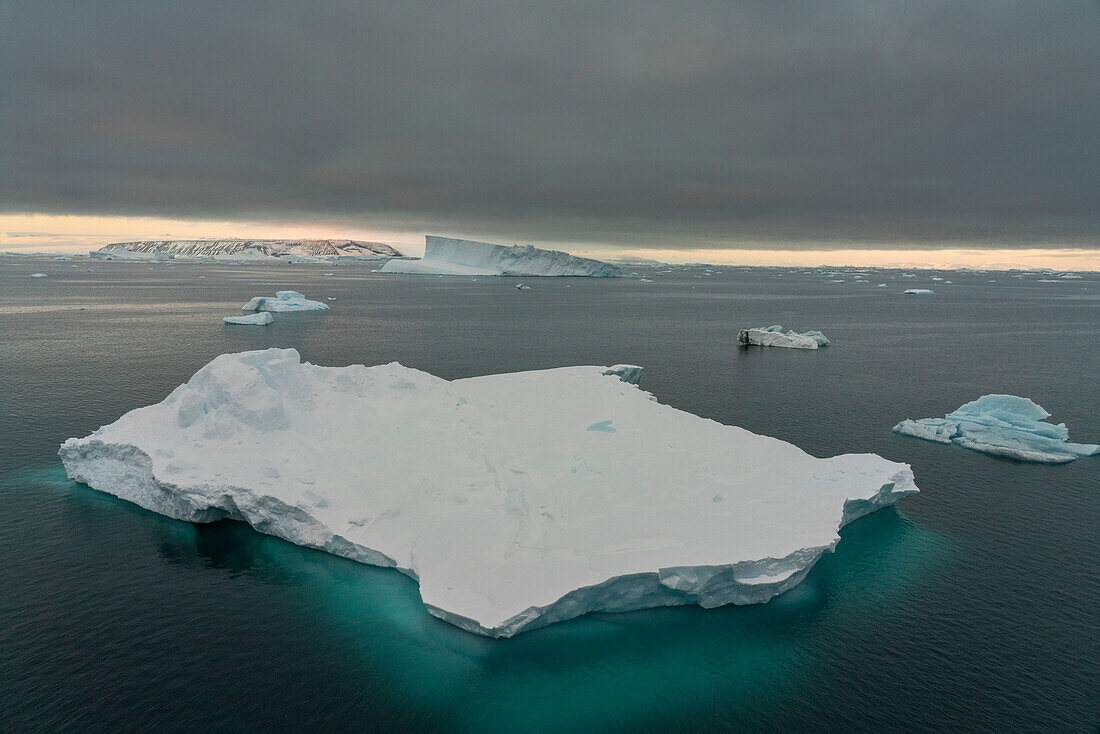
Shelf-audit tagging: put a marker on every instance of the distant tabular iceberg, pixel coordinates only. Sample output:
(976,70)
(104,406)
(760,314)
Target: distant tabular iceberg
(1002,425)
(448,256)
(515,500)
(773,336)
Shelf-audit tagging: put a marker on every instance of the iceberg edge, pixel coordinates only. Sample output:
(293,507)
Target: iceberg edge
(154,457)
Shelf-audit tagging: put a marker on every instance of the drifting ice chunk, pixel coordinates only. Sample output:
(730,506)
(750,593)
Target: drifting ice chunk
(1002,425)
(284,301)
(448,256)
(919,292)
(260,318)
(39,275)
(492,492)
(773,336)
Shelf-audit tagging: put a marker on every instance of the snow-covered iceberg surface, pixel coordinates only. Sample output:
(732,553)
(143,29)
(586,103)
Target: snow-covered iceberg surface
(284,301)
(1002,425)
(516,500)
(246,249)
(260,318)
(448,256)
(773,336)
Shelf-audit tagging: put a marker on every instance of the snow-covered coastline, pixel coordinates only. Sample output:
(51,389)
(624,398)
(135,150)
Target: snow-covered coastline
(245,250)
(516,500)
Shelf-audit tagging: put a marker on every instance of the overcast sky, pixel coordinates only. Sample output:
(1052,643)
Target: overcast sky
(669,124)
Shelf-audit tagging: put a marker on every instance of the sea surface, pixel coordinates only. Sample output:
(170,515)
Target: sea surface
(973,606)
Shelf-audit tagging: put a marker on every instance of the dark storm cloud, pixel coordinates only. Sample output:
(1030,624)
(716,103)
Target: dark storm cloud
(620,121)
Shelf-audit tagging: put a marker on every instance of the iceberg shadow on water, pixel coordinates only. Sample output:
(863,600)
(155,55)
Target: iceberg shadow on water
(659,664)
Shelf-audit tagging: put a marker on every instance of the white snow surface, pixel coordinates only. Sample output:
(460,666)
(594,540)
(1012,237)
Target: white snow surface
(284,301)
(773,336)
(260,318)
(516,500)
(246,249)
(449,256)
(121,252)
(1002,425)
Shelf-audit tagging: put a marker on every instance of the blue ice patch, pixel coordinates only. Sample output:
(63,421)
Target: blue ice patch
(602,427)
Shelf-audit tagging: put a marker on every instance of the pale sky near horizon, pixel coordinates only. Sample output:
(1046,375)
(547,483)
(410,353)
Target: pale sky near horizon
(853,132)
(78,234)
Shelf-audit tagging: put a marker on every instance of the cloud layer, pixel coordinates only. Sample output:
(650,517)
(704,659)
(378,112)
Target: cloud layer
(706,123)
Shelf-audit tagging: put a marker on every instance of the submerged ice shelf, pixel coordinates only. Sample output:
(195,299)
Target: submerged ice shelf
(1002,425)
(515,500)
(260,318)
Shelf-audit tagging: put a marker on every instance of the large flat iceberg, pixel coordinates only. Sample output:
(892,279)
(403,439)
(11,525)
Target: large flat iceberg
(516,500)
(1002,425)
(449,256)
(284,301)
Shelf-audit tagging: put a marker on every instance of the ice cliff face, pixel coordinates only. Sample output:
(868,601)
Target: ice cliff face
(515,500)
(234,249)
(773,336)
(447,256)
(1001,425)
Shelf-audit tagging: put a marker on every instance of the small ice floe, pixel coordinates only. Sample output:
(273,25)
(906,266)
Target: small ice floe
(260,318)
(919,292)
(522,287)
(39,275)
(284,301)
(1001,425)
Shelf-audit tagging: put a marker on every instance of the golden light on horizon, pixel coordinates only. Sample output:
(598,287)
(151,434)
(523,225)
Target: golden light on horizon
(38,232)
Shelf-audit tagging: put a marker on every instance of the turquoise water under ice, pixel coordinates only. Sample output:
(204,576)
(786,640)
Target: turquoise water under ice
(970,607)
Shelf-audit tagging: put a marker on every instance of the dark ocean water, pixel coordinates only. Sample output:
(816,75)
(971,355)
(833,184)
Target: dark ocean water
(974,606)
